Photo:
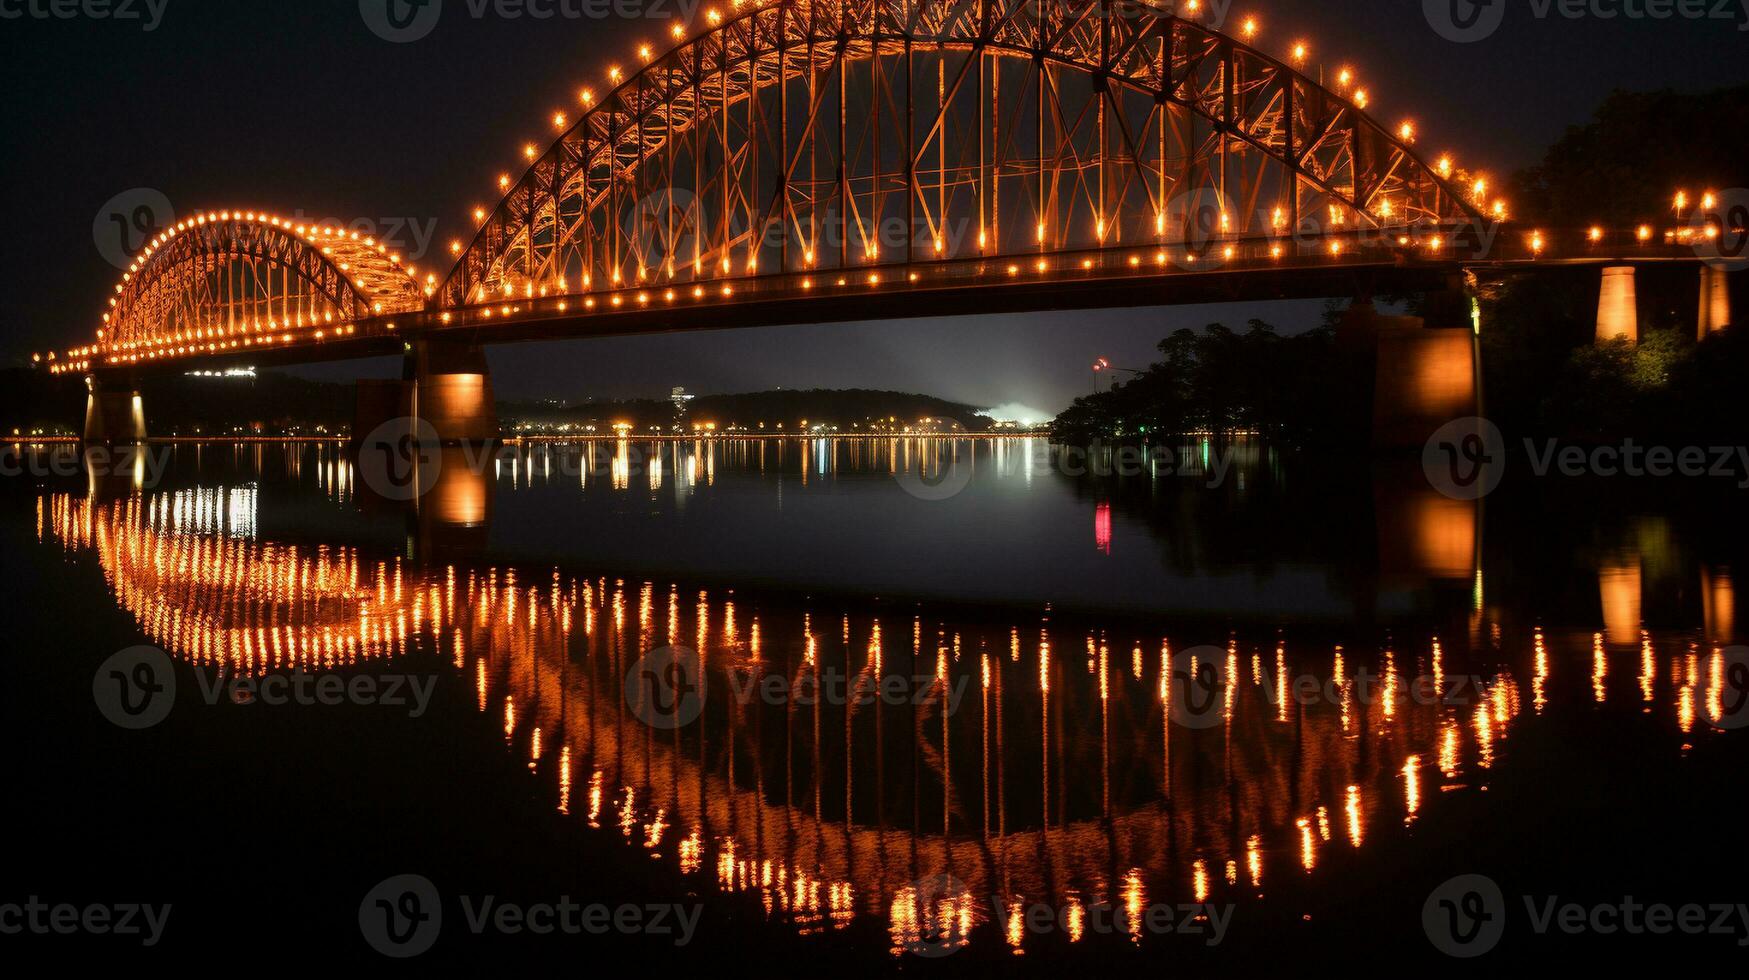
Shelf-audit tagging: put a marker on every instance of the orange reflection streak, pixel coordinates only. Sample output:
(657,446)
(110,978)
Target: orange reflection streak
(191,570)
(1540,681)
(1411,787)
(1648,672)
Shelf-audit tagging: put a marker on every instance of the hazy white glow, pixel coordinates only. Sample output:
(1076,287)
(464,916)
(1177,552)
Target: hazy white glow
(1016,412)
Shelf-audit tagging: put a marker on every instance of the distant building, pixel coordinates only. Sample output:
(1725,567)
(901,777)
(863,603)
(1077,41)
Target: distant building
(679,397)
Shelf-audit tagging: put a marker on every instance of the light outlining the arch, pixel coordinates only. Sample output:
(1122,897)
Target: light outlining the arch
(992,128)
(228,280)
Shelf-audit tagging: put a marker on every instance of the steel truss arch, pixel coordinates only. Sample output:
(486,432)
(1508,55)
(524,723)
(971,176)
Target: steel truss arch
(220,279)
(793,135)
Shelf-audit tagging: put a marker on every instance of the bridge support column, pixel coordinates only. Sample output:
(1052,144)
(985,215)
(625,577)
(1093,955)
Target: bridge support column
(113,417)
(1618,309)
(1715,301)
(1424,369)
(452,391)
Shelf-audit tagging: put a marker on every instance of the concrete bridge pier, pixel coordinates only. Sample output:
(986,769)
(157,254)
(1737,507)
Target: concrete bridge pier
(445,385)
(1425,368)
(452,391)
(1618,308)
(113,416)
(1715,300)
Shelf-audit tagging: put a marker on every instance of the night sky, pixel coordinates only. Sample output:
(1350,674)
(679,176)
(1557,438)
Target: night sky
(296,106)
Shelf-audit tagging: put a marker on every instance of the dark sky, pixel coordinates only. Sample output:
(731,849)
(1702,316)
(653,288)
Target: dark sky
(295,105)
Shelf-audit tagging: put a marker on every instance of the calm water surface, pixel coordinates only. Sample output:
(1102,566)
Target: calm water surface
(1542,688)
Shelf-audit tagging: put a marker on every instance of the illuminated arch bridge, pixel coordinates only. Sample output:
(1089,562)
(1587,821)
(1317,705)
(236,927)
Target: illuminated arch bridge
(796,161)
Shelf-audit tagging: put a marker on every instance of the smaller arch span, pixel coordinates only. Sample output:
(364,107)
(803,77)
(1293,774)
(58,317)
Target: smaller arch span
(232,279)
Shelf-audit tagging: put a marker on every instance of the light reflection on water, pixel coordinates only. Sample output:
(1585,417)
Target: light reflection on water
(1209,529)
(1059,778)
